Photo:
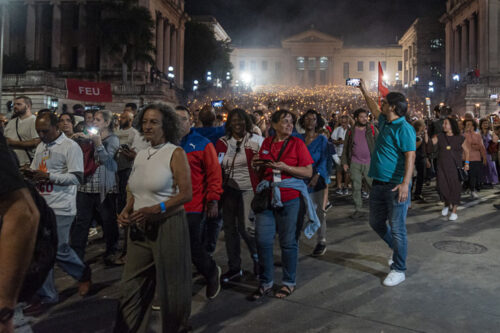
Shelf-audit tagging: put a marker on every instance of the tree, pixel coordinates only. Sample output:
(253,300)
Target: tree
(203,53)
(127,31)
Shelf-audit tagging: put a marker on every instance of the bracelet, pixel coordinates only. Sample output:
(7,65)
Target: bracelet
(467,162)
(163,207)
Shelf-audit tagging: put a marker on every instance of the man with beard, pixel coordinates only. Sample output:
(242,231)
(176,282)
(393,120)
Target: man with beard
(358,147)
(21,132)
(126,155)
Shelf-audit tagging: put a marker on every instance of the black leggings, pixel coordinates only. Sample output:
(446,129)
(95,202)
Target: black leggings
(475,169)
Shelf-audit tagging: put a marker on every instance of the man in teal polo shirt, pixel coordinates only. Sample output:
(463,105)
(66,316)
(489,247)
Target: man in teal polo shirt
(391,169)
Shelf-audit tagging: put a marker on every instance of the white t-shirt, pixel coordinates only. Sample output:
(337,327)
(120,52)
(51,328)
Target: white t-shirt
(339,134)
(61,157)
(27,131)
(126,137)
(240,174)
(151,180)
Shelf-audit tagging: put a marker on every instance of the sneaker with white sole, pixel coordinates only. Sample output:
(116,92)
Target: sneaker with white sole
(453,217)
(474,195)
(445,211)
(394,278)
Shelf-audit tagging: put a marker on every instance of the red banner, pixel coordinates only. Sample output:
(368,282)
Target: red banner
(381,85)
(87,91)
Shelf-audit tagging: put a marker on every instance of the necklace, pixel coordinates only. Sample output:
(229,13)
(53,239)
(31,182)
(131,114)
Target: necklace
(154,153)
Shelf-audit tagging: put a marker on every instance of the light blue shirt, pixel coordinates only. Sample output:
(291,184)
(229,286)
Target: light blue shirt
(388,158)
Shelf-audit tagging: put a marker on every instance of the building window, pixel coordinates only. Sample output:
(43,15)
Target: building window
(400,66)
(242,65)
(384,65)
(253,65)
(264,65)
(372,66)
(312,63)
(300,63)
(436,43)
(346,70)
(323,63)
(277,67)
(360,66)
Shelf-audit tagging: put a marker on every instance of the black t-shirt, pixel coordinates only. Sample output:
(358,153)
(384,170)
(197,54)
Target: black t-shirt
(10,177)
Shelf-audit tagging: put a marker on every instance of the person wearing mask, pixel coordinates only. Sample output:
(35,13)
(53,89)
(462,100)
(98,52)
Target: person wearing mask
(206,178)
(158,253)
(451,148)
(356,156)
(421,161)
(285,161)
(21,132)
(57,169)
(235,151)
(98,192)
(67,124)
(338,137)
(391,168)
(477,156)
(19,218)
(312,123)
(490,175)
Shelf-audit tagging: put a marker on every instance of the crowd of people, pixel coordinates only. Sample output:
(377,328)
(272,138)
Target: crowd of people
(168,180)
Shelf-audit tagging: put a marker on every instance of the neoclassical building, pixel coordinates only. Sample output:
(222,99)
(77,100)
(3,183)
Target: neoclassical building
(58,38)
(314,58)
(472,44)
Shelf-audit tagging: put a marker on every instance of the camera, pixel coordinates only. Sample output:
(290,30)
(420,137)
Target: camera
(217,104)
(93,130)
(353,82)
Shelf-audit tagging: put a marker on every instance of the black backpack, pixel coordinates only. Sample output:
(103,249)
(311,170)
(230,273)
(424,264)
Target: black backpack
(45,252)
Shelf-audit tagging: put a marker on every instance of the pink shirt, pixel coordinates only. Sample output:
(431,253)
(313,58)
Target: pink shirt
(474,142)
(360,150)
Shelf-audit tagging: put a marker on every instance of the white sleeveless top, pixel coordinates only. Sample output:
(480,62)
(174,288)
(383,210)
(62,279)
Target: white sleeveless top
(151,180)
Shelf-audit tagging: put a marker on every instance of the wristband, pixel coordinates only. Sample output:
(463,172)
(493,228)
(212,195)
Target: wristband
(163,207)
(467,162)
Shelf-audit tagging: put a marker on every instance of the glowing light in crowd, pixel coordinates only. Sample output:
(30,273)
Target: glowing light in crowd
(246,78)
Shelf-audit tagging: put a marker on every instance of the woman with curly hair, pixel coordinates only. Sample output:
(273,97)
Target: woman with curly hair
(158,251)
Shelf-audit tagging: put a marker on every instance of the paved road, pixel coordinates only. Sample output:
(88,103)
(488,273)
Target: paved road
(452,281)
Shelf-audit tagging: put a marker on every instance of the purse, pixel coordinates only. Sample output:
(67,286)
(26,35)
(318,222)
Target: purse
(262,200)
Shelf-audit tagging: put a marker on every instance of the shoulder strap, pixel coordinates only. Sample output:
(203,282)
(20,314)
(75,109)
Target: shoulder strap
(373,130)
(283,149)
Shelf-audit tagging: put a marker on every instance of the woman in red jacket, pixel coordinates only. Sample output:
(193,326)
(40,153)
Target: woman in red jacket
(235,151)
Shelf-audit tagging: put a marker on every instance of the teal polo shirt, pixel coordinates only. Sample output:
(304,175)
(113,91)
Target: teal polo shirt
(388,159)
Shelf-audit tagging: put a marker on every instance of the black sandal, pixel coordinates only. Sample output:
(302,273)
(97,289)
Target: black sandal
(259,293)
(284,291)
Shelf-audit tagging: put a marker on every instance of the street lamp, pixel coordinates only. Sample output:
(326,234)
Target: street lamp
(171,74)
(209,76)
(417,79)
(456,77)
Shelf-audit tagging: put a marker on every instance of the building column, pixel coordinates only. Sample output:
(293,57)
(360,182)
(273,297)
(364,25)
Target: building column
(6,37)
(456,51)
(166,46)
(494,29)
(82,45)
(56,35)
(465,48)
(472,42)
(159,42)
(30,30)
(449,53)
(173,49)
(180,60)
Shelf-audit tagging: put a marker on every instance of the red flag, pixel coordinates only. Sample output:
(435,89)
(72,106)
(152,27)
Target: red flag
(381,86)
(89,91)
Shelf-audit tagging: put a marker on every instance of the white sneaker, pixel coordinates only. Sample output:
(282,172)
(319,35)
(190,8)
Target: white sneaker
(445,211)
(474,195)
(453,217)
(390,261)
(394,278)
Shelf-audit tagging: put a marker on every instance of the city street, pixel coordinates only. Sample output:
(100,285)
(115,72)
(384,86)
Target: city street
(451,284)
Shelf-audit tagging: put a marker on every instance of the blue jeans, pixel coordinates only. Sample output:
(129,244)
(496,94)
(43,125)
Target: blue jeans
(385,206)
(284,221)
(66,258)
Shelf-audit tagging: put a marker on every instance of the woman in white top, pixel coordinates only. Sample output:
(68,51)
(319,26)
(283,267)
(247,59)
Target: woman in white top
(158,251)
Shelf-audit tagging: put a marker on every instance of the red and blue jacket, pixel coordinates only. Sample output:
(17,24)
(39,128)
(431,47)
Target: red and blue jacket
(206,173)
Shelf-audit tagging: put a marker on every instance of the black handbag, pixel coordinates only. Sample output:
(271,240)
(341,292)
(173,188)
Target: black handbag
(262,200)
(463,175)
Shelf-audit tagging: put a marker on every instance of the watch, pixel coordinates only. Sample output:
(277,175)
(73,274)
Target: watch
(6,314)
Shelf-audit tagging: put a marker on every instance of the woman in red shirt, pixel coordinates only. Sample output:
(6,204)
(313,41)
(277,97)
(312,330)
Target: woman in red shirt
(281,157)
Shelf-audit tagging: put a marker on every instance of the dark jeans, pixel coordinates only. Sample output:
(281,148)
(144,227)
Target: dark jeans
(210,228)
(475,175)
(199,256)
(420,166)
(121,201)
(87,205)
(388,220)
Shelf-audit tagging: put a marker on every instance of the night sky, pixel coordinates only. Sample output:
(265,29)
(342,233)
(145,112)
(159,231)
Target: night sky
(358,22)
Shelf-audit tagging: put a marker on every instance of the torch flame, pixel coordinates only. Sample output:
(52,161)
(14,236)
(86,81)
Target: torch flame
(43,166)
